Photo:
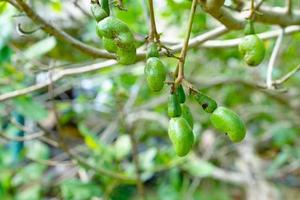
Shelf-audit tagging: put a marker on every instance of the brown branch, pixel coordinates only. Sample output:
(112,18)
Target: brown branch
(153,31)
(60,34)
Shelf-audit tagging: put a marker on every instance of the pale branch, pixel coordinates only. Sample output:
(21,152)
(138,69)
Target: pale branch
(60,34)
(228,176)
(206,39)
(269,15)
(22,138)
(235,42)
(202,39)
(287,76)
(57,76)
(272,60)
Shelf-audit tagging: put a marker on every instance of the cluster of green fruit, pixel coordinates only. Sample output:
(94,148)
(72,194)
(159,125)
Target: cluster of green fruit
(222,118)
(116,35)
(251,47)
(181,123)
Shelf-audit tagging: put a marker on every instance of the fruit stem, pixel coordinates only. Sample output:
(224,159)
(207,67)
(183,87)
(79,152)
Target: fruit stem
(153,31)
(180,66)
(252,10)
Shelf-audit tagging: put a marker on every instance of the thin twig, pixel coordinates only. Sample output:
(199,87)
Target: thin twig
(289,6)
(51,162)
(77,5)
(153,31)
(180,67)
(287,76)
(22,138)
(273,59)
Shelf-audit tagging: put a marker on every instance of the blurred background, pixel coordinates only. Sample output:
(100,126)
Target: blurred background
(84,136)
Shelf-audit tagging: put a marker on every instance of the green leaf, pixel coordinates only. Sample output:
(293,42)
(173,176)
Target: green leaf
(5,54)
(40,48)
(73,189)
(56,5)
(38,150)
(30,108)
(3,7)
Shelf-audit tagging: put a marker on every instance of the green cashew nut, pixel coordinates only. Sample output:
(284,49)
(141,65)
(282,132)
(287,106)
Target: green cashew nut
(98,12)
(252,50)
(155,74)
(152,50)
(181,94)
(225,120)
(111,27)
(118,38)
(208,104)
(109,45)
(187,115)
(125,40)
(126,56)
(174,108)
(181,136)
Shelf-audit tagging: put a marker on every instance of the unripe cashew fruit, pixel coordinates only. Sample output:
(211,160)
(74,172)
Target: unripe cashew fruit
(225,120)
(126,56)
(111,27)
(125,40)
(213,4)
(98,12)
(208,104)
(174,108)
(109,45)
(187,115)
(181,94)
(155,74)
(181,135)
(152,50)
(252,50)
